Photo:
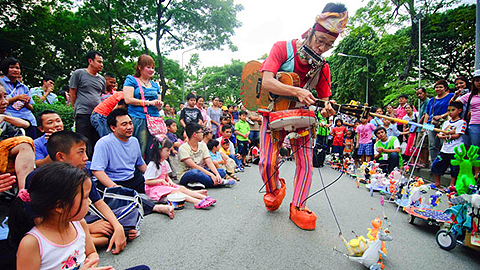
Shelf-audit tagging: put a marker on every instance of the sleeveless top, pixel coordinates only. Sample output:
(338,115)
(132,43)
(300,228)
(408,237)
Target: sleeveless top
(54,256)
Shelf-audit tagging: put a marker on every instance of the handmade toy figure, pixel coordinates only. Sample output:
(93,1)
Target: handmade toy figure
(416,196)
(465,175)
(371,256)
(356,246)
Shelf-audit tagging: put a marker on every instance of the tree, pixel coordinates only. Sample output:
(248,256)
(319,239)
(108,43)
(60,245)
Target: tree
(223,82)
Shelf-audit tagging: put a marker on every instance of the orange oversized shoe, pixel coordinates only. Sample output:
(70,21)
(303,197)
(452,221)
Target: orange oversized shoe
(303,218)
(274,200)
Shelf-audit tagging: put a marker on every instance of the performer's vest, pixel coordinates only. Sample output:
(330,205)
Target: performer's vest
(289,65)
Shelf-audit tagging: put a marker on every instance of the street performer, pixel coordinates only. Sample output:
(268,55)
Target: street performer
(320,38)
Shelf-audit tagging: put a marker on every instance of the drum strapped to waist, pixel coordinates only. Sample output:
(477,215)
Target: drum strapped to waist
(291,120)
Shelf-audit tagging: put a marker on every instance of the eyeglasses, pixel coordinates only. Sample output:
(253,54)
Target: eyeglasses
(321,43)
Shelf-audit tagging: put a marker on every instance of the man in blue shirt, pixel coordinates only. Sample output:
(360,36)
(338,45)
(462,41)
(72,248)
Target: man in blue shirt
(45,92)
(49,122)
(118,154)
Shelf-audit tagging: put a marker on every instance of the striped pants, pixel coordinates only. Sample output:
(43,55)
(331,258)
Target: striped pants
(270,145)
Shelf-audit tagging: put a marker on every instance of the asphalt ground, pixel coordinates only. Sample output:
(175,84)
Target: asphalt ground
(238,233)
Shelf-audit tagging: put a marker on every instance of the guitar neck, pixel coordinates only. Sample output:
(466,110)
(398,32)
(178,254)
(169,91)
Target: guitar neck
(352,110)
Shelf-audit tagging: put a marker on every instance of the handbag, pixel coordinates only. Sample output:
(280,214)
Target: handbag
(156,126)
(125,203)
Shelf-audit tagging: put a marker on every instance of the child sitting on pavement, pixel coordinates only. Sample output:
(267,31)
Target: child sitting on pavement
(221,160)
(173,159)
(454,137)
(158,184)
(226,133)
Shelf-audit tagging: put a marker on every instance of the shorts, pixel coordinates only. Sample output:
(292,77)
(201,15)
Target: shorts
(337,149)
(242,147)
(365,149)
(442,162)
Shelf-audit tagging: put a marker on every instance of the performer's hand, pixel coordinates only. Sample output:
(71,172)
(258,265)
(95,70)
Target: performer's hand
(328,110)
(305,97)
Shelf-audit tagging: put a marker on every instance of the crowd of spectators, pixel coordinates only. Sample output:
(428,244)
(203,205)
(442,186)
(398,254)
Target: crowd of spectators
(206,144)
(393,144)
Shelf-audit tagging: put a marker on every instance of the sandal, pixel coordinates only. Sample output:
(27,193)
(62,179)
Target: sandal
(204,203)
(234,177)
(208,198)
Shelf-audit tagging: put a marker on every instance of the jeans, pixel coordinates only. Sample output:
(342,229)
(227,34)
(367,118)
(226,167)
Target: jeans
(99,122)
(474,134)
(237,161)
(392,162)
(140,131)
(195,175)
(84,127)
(434,145)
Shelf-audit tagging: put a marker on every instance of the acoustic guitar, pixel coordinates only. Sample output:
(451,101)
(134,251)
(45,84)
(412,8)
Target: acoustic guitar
(254,98)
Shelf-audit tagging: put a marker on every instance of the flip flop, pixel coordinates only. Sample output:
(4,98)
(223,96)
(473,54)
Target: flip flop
(204,204)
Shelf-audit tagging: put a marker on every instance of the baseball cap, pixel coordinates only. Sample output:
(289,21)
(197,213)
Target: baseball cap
(224,108)
(225,140)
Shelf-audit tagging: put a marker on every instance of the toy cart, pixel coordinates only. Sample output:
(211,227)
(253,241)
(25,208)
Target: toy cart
(432,216)
(464,228)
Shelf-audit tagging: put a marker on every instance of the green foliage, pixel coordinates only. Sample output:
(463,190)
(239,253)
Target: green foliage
(447,50)
(64,111)
(223,82)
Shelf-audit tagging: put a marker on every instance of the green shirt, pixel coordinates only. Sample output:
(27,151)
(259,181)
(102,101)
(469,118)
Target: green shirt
(322,131)
(391,143)
(242,127)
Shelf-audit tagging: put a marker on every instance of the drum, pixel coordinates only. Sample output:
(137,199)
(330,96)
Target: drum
(291,120)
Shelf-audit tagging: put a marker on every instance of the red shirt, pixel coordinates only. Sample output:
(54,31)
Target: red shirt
(338,134)
(278,56)
(106,107)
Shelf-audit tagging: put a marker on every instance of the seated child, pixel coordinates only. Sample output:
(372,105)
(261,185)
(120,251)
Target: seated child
(158,184)
(52,233)
(221,160)
(254,152)
(456,128)
(173,159)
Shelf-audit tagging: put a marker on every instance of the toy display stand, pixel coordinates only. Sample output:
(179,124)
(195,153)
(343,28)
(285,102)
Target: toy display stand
(432,216)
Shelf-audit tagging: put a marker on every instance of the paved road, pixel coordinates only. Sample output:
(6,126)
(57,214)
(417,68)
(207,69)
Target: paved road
(238,233)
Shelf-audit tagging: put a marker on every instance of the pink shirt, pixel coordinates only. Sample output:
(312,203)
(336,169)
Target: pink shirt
(474,107)
(365,133)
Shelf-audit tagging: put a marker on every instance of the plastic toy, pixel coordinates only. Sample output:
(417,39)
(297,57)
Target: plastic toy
(465,175)
(371,256)
(356,246)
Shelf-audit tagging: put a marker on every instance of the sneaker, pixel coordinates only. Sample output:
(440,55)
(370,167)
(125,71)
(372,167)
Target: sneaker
(229,183)
(240,169)
(196,185)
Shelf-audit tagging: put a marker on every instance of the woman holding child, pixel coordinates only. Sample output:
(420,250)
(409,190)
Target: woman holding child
(142,94)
